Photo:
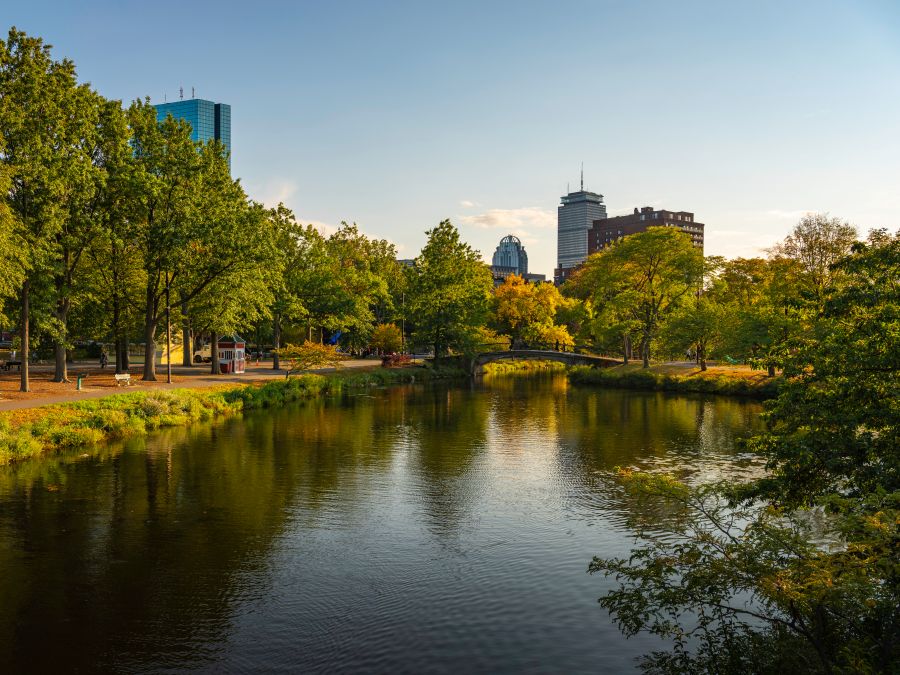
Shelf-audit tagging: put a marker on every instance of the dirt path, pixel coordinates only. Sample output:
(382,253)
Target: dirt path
(100,382)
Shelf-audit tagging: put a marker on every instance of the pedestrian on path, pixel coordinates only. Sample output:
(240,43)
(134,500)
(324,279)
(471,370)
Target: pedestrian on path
(104,359)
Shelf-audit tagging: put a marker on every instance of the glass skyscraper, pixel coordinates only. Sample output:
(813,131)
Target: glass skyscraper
(208,119)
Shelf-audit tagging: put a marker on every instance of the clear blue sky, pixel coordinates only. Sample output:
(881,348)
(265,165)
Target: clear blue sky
(398,114)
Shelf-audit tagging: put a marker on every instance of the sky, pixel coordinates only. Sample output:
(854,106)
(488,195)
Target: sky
(397,115)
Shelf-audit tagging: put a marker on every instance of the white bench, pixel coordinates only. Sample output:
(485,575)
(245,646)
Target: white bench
(122,379)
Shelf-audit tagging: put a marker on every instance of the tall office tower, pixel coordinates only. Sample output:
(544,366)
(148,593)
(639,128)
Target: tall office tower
(577,213)
(208,119)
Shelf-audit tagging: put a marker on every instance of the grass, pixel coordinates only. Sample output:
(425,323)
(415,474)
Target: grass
(34,432)
(732,380)
(524,366)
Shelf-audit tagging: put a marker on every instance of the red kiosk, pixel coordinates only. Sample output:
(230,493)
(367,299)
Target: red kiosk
(232,355)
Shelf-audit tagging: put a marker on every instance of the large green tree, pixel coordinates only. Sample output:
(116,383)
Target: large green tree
(641,280)
(37,95)
(449,290)
(797,570)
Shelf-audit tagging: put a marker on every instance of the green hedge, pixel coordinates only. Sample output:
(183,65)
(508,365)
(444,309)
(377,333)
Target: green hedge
(70,425)
(649,380)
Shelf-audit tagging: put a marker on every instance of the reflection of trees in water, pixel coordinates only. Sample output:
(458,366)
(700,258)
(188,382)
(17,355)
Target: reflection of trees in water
(145,550)
(691,436)
(136,555)
(447,437)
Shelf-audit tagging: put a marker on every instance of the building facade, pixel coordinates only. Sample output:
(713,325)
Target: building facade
(575,217)
(208,120)
(510,258)
(605,231)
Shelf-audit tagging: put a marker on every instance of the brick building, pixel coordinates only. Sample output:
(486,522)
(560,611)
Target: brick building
(604,232)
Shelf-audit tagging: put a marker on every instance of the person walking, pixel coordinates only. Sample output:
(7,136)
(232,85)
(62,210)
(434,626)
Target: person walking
(104,359)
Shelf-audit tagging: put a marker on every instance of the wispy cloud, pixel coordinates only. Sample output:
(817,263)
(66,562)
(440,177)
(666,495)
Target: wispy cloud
(273,193)
(466,204)
(525,218)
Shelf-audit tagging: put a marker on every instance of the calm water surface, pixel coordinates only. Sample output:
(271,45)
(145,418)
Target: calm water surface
(405,530)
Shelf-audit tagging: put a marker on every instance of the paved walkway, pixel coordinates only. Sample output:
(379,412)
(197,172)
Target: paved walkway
(189,378)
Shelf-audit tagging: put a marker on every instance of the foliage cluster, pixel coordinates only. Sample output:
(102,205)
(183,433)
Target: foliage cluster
(627,377)
(311,356)
(800,568)
(655,291)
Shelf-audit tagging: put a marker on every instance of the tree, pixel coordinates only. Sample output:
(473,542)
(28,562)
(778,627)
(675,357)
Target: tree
(797,569)
(387,338)
(641,279)
(449,290)
(836,425)
(817,242)
(99,141)
(700,324)
(34,149)
(311,356)
(191,214)
(528,312)
(10,244)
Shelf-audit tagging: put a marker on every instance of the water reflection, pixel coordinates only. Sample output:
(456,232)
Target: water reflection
(410,528)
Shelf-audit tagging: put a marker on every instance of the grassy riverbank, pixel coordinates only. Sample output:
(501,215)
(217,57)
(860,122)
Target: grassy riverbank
(33,432)
(509,367)
(733,381)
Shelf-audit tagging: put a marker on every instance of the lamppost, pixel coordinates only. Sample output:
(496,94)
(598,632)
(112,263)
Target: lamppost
(402,322)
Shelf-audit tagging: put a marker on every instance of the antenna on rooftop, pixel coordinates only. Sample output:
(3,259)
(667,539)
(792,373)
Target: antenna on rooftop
(582,176)
(192,93)
(181,93)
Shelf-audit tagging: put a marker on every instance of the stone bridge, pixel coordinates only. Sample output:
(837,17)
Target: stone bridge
(569,358)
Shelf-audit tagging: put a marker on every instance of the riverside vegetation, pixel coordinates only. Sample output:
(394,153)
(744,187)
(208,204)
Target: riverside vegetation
(732,382)
(32,432)
(109,218)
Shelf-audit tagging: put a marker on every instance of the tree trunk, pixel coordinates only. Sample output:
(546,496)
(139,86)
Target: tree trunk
(61,373)
(276,341)
(151,322)
(23,328)
(150,351)
(701,356)
(187,355)
(126,358)
(117,318)
(645,352)
(215,368)
(625,346)
(771,370)
(117,343)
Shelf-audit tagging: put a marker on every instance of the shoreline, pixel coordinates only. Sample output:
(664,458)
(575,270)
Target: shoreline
(38,431)
(722,381)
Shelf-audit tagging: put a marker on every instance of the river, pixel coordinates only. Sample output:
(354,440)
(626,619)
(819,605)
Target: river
(410,529)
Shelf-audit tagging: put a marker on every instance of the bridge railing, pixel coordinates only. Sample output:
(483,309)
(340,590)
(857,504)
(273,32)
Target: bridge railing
(506,345)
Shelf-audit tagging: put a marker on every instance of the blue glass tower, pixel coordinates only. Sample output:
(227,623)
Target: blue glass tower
(208,119)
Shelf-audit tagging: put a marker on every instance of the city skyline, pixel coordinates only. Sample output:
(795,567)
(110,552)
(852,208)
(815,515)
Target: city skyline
(750,116)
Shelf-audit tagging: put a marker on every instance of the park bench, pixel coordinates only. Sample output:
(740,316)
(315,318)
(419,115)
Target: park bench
(122,379)
(6,365)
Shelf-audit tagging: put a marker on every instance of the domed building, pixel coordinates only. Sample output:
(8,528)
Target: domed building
(510,258)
